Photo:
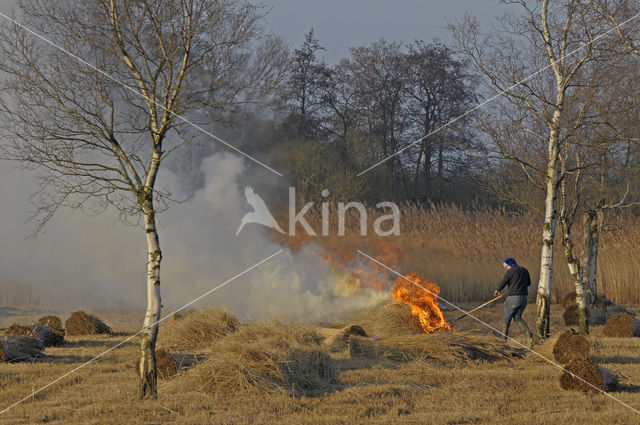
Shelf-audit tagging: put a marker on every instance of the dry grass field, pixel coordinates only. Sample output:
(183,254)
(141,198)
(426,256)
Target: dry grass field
(364,391)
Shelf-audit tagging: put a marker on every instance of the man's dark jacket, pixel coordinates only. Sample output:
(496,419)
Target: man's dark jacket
(518,280)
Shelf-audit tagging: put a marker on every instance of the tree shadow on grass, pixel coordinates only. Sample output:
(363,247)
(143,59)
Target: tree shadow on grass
(616,359)
(87,343)
(64,359)
(627,388)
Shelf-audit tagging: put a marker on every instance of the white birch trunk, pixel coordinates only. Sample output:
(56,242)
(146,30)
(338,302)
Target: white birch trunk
(148,380)
(590,256)
(574,271)
(549,230)
(148,383)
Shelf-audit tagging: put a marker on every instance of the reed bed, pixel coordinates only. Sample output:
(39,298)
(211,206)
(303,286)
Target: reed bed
(463,250)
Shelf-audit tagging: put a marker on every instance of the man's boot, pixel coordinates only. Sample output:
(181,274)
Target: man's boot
(505,331)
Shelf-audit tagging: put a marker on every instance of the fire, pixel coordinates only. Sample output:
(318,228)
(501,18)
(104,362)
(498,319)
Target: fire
(354,276)
(424,304)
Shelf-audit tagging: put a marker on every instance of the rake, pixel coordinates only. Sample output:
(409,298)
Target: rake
(477,308)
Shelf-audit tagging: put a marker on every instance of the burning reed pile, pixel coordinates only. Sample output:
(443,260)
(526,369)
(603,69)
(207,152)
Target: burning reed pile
(81,323)
(444,347)
(268,356)
(20,349)
(196,330)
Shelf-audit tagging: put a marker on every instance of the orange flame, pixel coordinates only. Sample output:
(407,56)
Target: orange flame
(424,304)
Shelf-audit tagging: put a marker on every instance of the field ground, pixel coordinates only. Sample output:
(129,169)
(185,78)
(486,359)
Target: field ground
(522,391)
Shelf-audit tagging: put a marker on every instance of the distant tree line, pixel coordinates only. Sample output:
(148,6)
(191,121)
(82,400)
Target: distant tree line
(343,118)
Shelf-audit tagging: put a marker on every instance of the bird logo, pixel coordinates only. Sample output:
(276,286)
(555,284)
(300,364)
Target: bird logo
(260,213)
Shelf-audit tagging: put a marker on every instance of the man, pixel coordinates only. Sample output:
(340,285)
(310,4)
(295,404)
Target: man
(518,281)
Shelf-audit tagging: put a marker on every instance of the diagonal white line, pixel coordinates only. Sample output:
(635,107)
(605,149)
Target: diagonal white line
(492,98)
(155,102)
(498,332)
(139,332)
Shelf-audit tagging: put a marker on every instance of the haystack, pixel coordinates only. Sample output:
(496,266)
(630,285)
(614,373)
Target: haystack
(570,315)
(20,349)
(48,336)
(81,323)
(18,330)
(53,322)
(166,365)
(571,346)
(585,369)
(620,325)
(50,331)
(569,300)
(391,320)
(259,357)
(339,341)
(444,347)
(196,330)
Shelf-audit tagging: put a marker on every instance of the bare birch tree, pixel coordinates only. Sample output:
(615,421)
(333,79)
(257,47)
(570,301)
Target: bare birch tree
(99,138)
(545,36)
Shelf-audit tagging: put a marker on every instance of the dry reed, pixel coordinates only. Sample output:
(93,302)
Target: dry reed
(444,347)
(619,326)
(571,346)
(196,330)
(20,349)
(463,250)
(263,357)
(81,323)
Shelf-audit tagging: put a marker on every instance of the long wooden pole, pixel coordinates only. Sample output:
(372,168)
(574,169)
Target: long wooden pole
(477,308)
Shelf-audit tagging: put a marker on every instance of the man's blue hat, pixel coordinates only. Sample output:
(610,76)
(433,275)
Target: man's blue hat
(510,262)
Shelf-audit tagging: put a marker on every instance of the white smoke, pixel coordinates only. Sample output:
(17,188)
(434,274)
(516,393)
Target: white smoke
(202,251)
(99,262)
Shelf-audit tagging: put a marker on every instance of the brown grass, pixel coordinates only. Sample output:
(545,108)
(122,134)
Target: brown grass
(369,390)
(620,326)
(263,357)
(196,330)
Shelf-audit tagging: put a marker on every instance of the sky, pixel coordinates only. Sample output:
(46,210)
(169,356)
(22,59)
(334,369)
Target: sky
(99,261)
(340,24)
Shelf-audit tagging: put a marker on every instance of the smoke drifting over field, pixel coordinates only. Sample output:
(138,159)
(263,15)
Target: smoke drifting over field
(99,261)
